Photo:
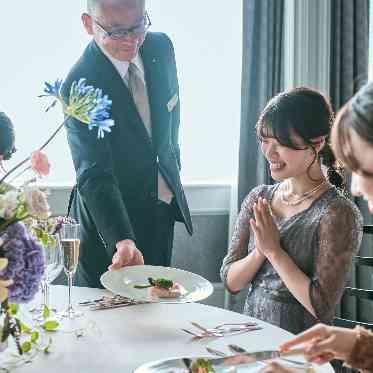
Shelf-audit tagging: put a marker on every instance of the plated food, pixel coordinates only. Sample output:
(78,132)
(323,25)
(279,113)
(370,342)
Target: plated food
(163,288)
(133,282)
(201,366)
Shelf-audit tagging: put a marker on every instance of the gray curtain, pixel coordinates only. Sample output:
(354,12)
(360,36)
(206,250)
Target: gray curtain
(262,78)
(349,71)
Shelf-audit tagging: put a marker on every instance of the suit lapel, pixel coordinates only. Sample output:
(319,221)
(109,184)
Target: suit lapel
(116,89)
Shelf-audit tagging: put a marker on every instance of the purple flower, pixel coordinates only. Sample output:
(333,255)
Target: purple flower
(26,263)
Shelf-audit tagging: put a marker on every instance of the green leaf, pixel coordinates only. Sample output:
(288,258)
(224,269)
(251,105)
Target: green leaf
(13,309)
(34,337)
(46,312)
(25,328)
(50,325)
(26,347)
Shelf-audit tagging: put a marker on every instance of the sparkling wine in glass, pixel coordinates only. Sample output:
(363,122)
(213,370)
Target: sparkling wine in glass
(70,242)
(70,249)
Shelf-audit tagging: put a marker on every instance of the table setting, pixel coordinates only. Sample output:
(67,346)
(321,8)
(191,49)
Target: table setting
(124,328)
(147,319)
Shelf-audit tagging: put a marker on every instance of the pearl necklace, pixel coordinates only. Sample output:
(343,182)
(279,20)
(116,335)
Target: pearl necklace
(303,197)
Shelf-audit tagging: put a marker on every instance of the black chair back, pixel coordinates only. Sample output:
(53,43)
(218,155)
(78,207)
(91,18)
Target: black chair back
(359,294)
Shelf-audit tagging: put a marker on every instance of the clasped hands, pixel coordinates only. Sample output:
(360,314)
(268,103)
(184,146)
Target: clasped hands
(127,254)
(267,235)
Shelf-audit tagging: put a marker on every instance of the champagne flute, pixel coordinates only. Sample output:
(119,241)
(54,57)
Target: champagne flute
(53,267)
(70,242)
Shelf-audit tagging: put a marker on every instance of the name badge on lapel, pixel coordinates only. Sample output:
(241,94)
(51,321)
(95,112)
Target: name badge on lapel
(173,102)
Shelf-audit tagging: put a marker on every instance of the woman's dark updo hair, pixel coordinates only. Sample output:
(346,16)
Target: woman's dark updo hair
(7,137)
(307,113)
(356,115)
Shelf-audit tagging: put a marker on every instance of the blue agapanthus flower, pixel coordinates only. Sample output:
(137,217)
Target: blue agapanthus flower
(53,89)
(99,115)
(85,103)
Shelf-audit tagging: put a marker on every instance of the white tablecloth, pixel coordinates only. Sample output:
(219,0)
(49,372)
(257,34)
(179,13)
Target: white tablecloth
(130,336)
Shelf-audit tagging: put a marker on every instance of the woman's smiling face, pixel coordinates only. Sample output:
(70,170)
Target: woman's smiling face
(285,162)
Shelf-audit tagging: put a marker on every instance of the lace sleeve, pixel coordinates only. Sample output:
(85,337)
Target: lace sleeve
(238,247)
(361,356)
(340,234)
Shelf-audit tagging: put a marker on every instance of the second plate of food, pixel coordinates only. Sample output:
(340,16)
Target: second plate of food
(147,283)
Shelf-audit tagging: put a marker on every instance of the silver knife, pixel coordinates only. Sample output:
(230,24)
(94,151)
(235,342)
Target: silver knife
(251,357)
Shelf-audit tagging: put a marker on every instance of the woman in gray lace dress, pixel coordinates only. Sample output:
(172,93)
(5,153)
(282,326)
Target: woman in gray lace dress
(294,241)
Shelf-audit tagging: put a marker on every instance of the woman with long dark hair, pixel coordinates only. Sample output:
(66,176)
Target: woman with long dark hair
(352,140)
(294,241)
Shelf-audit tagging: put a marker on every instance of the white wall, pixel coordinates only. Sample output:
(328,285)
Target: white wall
(41,40)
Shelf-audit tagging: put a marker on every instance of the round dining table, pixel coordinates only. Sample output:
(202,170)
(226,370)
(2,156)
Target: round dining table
(122,339)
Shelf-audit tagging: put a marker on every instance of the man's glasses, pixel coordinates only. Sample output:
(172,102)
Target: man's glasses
(136,30)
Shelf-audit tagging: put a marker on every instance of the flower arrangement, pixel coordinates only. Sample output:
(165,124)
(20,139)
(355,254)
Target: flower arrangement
(21,255)
(21,240)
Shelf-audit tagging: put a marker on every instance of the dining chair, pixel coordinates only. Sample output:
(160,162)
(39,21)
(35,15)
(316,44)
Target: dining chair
(360,294)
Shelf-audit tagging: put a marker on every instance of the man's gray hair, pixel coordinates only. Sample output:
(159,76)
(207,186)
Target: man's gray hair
(93,4)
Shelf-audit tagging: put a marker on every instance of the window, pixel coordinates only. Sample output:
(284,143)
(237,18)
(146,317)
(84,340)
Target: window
(41,40)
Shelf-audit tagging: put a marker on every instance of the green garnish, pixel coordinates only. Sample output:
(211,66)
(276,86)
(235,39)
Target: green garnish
(202,366)
(158,282)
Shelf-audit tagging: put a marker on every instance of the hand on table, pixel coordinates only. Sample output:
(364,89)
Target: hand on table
(127,254)
(324,343)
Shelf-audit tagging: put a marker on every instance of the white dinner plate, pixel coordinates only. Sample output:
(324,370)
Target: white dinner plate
(122,282)
(176,365)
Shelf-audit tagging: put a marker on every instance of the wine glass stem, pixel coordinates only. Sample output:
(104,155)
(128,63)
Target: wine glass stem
(70,282)
(46,294)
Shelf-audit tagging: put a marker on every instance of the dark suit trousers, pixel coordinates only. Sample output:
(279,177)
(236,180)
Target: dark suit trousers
(154,238)
(159,252)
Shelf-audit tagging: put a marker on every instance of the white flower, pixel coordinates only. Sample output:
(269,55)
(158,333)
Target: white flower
(4,283)
(36,201)
(8,204)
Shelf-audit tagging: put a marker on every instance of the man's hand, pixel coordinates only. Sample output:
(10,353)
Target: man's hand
(127,255)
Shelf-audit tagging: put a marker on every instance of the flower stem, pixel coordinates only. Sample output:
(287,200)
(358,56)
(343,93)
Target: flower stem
(54,134)
(41,148)
(20,174)
(10,222)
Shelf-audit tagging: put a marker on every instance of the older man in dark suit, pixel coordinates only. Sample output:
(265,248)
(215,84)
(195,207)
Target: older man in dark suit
(128,192)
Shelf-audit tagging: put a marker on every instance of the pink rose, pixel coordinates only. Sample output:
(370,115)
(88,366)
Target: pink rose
(40,163)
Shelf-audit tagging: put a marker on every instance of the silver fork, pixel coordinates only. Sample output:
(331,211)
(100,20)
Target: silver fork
(216,352)
(239,328)
(204,334)
(239,350)
(241,324)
